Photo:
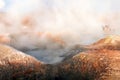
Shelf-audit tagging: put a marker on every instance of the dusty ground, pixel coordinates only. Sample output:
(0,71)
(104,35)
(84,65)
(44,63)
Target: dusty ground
(99,61)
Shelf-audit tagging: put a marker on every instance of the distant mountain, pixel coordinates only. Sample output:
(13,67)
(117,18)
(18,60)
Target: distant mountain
(110,42)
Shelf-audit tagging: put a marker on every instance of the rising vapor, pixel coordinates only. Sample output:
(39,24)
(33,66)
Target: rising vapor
(50,27)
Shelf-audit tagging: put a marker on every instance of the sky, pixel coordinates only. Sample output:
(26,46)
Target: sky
(97,5)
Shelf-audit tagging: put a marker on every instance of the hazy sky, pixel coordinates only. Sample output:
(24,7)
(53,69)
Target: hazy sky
(96,5)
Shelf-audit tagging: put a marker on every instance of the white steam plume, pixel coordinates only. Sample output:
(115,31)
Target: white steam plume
(51,25)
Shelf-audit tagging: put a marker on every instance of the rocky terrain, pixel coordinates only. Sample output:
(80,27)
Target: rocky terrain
(98,61)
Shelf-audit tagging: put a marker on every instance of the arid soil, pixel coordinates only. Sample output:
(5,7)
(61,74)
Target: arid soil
(98,61)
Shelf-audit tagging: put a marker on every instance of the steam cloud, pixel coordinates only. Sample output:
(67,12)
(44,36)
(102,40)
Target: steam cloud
(47,28)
